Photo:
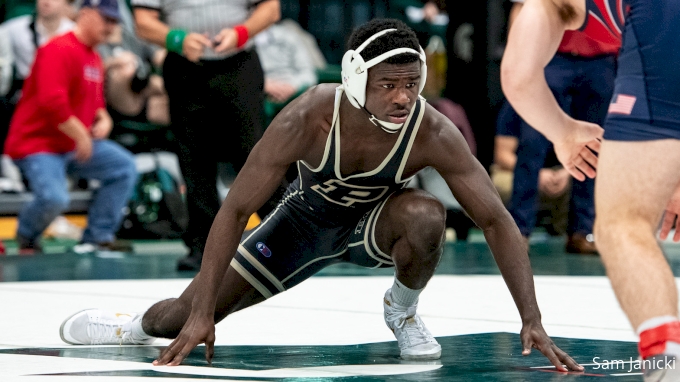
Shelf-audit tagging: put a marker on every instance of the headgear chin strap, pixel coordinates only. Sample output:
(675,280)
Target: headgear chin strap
(355,76)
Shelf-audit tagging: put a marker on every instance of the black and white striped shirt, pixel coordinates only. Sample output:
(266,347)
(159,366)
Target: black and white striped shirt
(202,16)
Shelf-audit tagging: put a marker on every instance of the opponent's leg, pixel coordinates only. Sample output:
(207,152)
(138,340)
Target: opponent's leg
(635,181)
(410,228)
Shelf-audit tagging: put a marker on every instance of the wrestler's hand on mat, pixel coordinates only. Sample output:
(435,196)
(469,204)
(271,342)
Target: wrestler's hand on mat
(576,151)
(670,216)
(199,329)
(534,336)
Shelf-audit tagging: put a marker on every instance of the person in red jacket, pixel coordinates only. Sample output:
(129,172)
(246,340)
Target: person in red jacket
(60,127)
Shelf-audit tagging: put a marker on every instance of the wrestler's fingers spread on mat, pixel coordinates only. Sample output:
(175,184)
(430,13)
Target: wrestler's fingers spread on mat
(527,341)
(548,352)
(537,338)
(552,357)
(181,355)
(210,348)
(169,353)
(566,359)
(174,354)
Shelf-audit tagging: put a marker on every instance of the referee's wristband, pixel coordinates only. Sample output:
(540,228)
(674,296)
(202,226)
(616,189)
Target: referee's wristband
(242,34)
(174,40)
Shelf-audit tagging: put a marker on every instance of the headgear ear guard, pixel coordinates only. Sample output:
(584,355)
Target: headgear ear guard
(355,70)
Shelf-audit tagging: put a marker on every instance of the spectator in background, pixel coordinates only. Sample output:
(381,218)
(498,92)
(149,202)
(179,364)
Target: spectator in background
(60,126)
(215,85)
(289,67)
(554,181)
(28,33)
(6,73)
(6,62)
(24,35)
(133,91)
(581,76)
(427,18)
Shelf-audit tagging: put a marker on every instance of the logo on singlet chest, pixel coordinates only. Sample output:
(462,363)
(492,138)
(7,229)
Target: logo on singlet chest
(344,194)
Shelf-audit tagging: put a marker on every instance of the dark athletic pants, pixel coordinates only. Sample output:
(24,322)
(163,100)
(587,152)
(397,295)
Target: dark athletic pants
(583,88)
(216,108)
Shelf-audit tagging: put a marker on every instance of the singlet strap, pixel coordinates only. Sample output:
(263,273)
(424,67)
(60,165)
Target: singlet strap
(401,157)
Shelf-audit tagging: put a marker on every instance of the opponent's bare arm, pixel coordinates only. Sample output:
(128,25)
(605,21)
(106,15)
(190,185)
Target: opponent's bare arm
(446,151)
(532,42)
(288,138)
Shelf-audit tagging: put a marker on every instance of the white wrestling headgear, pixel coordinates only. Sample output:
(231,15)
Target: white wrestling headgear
(355,75)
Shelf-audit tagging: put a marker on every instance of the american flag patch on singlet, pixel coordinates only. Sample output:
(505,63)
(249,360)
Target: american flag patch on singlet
(623,104)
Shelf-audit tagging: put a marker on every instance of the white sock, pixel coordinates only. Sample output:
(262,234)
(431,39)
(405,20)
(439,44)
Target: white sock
(403,295)
(136,328)
(672,348)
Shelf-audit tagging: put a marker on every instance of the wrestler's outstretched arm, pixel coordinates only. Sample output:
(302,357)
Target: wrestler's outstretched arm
(532,42)
(448,153)
(286,140)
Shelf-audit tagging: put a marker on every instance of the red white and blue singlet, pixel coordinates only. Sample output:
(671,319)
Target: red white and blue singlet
(605,20)
(646,100)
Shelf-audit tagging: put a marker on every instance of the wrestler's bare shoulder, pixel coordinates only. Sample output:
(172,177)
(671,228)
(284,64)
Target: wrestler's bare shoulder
(302,127)
(312,110)
(435,137)
(434,126)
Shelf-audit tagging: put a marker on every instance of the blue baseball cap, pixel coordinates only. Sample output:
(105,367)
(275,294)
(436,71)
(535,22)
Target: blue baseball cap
(108,8)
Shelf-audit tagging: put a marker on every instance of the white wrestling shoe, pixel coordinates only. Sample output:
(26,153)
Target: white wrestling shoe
(97,327)
(661,368)
(415,341)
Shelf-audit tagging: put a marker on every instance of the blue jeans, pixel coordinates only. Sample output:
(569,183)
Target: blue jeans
(46,173)
(583,87)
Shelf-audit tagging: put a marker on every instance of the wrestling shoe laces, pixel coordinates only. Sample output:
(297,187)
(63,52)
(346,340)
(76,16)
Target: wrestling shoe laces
(415,341)
(103,332)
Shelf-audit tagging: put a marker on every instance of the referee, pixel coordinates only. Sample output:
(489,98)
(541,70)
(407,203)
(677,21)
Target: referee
(215,84)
